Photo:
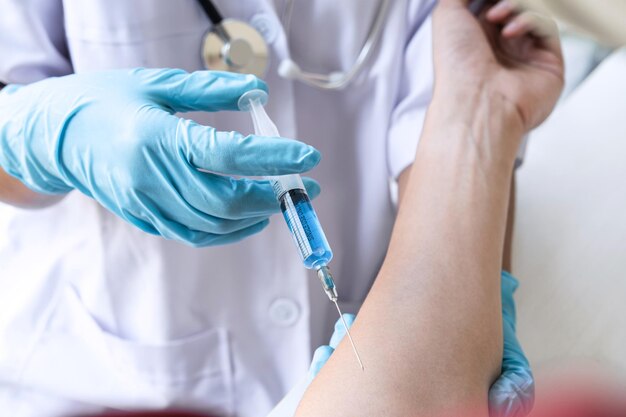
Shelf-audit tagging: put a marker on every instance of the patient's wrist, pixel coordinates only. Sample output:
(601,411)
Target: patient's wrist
(488,122)
(471,102)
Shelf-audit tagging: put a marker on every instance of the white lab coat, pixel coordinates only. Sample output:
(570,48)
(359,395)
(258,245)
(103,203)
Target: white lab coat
(94,313)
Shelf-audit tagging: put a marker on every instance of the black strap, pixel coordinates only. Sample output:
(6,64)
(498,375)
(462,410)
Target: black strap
(2,85)
(211,12)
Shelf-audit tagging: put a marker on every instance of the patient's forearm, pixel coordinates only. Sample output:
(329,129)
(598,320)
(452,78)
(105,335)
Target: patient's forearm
(429,332)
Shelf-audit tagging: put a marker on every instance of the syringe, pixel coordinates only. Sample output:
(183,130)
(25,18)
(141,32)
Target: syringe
(297,209)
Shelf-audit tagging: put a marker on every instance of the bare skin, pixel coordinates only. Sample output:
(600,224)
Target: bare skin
(507,255)
(15,193)
(429,332)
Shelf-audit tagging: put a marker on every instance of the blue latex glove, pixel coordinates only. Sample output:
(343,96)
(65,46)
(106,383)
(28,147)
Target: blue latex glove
(288,405)
(113,135)
(512,395)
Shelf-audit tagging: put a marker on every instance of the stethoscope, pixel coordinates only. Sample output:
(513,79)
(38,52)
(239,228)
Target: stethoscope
(234,45)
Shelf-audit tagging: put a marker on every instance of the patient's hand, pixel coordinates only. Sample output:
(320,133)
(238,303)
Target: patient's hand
(509,53)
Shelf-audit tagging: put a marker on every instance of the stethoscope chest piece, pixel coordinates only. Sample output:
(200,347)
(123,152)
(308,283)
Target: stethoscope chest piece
(235,46)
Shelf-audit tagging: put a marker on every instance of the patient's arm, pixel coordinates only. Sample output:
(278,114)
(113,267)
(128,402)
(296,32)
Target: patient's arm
(429,332)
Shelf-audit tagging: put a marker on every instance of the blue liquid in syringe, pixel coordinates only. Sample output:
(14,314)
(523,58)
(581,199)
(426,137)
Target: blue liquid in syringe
(305,228)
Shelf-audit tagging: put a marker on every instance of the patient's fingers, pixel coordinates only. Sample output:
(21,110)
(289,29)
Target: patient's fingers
(501,11)
(517,21)
(539,26)
(530,22)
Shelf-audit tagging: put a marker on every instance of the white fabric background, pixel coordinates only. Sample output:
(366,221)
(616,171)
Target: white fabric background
(570,236)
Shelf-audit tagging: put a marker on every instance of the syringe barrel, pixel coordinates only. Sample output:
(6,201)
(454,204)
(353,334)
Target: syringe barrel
(295,204)
(305,227)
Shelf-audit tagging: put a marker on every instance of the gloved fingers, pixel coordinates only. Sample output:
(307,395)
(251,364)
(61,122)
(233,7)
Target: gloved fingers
(221,227)
(513,357)
(234,199)
(140,221)
(228,198)
(175,219)
(151,222)
(202,202)
(239,235)
(320,357)
(323,353)
(173,230)
(213,204)
(513,394)
(340,330)
(509,286)
(244,198)
(180,91)
(232,153)
(197,220)
(313,188)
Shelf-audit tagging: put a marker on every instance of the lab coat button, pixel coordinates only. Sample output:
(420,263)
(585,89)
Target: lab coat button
(266,27)
(284,312)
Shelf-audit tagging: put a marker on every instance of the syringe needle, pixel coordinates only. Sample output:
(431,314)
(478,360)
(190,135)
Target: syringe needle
(345,325)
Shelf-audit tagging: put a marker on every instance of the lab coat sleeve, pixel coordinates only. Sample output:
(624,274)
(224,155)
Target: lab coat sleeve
(32,41)
(414,91)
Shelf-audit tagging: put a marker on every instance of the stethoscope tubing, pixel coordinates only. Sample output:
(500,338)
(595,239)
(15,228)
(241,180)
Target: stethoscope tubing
(332,81)
(367,50)
(211,11)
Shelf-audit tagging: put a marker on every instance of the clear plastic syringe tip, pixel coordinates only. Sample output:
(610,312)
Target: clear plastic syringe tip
(328,283)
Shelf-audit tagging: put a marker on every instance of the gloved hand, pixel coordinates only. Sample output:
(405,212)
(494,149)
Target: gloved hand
(512,395)
(113,135)
(288,405)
